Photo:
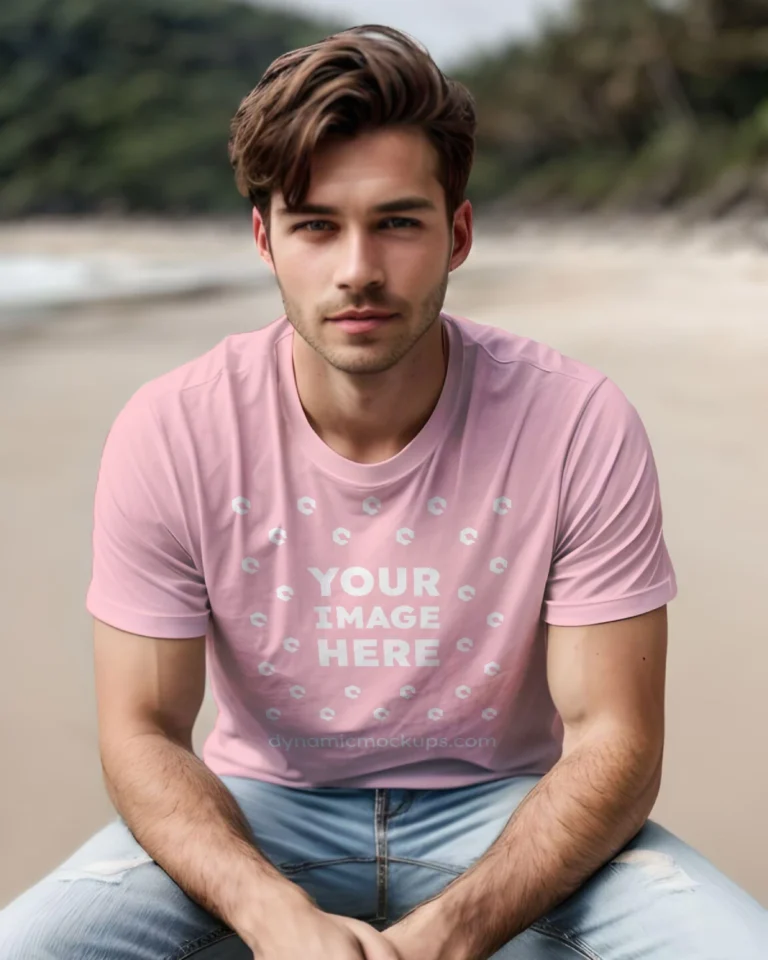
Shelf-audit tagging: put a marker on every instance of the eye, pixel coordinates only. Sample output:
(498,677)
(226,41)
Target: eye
(399,222)
(313,226)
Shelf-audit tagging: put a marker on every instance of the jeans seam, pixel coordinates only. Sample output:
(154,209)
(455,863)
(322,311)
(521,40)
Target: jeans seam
(380,835)
(191,947)
(404,805)
(432,865)
(546,929)
(310,864)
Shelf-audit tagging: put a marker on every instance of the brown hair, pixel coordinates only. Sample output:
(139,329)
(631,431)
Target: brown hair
(364,78)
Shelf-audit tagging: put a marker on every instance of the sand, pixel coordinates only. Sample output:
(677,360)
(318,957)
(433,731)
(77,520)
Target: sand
(679,321)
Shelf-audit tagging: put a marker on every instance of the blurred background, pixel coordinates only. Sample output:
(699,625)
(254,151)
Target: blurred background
(621,196)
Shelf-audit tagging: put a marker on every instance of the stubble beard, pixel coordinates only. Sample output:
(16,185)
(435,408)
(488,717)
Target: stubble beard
(354,360)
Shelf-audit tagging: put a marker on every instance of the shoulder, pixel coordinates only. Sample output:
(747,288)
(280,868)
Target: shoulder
(569,404)
(206,383)
(549,383)
(504,352)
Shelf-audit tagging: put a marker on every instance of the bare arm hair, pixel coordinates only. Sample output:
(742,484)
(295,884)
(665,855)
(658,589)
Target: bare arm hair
(149,693)
(607,682)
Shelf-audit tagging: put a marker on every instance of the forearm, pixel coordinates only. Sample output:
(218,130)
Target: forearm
(190,824)
(577,817)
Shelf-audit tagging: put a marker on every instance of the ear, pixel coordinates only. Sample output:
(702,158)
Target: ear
(462,235)
(261,236)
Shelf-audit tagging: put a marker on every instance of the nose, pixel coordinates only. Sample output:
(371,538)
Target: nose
(359,266)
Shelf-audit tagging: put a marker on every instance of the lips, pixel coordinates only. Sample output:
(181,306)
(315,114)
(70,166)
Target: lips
(363,324)
(358,318)
(359,322)
(360,315)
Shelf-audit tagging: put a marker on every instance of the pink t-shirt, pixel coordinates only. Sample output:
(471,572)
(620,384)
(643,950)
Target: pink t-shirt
(378,625)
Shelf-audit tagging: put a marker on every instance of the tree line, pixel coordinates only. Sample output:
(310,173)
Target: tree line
(629,104)
(121,107)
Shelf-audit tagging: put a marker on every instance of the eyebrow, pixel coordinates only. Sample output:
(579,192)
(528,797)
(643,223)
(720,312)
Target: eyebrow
(401,205)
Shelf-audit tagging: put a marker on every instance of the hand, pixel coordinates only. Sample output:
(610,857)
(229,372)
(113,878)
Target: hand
(424,934)
(309,933)
(376,945)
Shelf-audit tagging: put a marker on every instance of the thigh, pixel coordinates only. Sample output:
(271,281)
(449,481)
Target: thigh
(662,900)
(108,901)
(659,898)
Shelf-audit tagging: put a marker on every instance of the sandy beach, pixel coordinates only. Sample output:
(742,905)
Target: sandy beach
(679,321)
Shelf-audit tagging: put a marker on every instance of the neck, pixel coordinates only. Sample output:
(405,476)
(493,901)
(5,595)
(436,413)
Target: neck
(369,418)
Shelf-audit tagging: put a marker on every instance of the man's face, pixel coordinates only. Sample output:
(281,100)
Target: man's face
(372,241)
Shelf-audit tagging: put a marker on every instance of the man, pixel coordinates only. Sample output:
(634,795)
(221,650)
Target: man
(424,561)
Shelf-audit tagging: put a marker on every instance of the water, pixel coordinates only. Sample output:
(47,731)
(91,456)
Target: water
(43,281)
(32,280)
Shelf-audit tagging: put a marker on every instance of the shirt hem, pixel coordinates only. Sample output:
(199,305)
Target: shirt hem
(584,614)
(160,627)
(376,781)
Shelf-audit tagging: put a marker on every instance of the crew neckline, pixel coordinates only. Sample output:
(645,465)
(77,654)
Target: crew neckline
(386,471)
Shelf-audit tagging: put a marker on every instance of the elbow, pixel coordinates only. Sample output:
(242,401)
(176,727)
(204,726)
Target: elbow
(631,760)
(654,783)
(643,766)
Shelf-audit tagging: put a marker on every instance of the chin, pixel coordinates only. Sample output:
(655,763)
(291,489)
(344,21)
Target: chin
(361,361)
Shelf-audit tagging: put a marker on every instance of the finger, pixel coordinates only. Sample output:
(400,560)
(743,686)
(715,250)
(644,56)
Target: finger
(374,944)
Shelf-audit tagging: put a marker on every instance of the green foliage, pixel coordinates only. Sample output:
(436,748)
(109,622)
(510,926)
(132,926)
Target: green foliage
(627,104)
(125,104)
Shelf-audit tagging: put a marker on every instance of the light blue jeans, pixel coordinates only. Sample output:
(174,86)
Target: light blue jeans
(374,854)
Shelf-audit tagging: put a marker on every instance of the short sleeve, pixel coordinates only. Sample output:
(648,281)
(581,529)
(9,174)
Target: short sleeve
(144,579)
(610,559)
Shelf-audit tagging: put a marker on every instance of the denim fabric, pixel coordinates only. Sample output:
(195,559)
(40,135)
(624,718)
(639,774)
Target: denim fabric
(374,854)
